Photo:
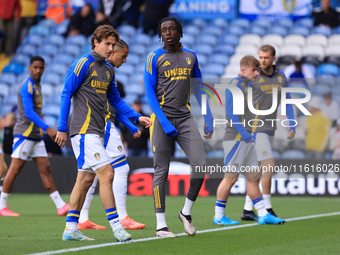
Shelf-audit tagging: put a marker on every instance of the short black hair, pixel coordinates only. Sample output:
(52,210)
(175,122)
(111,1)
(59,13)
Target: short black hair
(37,58)
(178,24)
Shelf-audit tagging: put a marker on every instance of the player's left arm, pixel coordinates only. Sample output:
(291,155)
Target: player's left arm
(126,122)
(197,89)
(290,113)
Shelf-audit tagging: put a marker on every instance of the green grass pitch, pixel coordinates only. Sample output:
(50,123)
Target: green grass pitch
(39,228)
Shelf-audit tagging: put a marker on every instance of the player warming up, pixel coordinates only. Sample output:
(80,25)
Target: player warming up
(90,82)
(270,77)
(167,76)
(239,151)
(28,142)
(115,149)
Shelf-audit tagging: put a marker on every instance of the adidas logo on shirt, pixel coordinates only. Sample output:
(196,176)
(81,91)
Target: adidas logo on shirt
(94,73)
(261,80)
(166,63)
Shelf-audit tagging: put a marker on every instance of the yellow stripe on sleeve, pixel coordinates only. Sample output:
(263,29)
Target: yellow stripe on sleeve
(81,67)
(78,64)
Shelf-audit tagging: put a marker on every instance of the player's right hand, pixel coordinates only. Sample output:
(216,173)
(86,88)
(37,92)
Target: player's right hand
(52,133)
(61,138)
(137,134)
(251,141)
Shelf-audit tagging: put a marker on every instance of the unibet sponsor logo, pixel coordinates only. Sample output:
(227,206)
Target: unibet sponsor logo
(269,88)
(178,73)
(101,86)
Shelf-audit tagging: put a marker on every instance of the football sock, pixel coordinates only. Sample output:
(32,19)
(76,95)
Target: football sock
(267,202)
(187,206)
(72,221)
(259,206)
(3,200)
(248,205)
(113,218)
(84,213)
(58,201)
(161,223)
(120,188)
(219,209)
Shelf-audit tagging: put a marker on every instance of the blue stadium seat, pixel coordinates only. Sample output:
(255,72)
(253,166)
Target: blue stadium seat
(34,39)
(73,50)
(21,78)
(230,39)
(226,49)
(11,100)
(129,99)
(139,69)
(123,78)
(137,78)
(204,49)
(257,30)
(56,40)
(79,40)
(202,59)
(328,69)
(199,22)
(300,31)
(39,30)
(48,23)
(86,49)
(46,90)
(208,39)
(311,67)
(215,154)
(138,49)
(293,154)
(146,109)
(59,69)
(220,22)
(8,78)
(137,89)
(336,30)
(318,90)
(49,50)
(215,69)
(143,39)
(64,59)
(305,22)
(13,68)
(155,46)
(47,58)
(51,121)
(276,154)
(53,79)
(207,75)
(127,30)
(187,41)
(287,23)
(52,110)
(322,30)
(192,30)
(213,30)
(278,30)
(21,59)
(219,59)
(4,90)
(243,23)
(28,49)
(236,31)
(134,59)
(62,28)
(264,23)
(126,69)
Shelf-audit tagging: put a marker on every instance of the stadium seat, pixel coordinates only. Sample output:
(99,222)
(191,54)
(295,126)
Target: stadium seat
(285,60)
(126,69)
(257,30)
(52,110)
(287,23)
(11,100)
(232,69)
(317,40)
(336,30)
(318,90)
(46,90)
(28,49)
(213,30)
(236,31)
(230,39)
(142,39)
(264,23)
(146,109)
(134,59)
(251,39)
(299,40)
(72,50)
(276,154)
(300,31)
(297,144)
(129,99)
(215,69)
(225,49)
(4,90)
(39,30)
(56,40)
(305,22)
(333,59)
(49,50)
(312,59)
(13,68)
(187,41)
(293,154)
(291,50)
(243,23)
(139,69)
(192,30)
(204,49)
(156,46)
(314,50)
(8,78)
(51,121)
(328,68)
(140,50)
(137,89)
(51,78)
(333,50)
(62,28)
(334,40)
(127,30)
(199,22)
(123,78)
(235,60)
(219,59)
(209,40)
(47,58)
(202,59)
(273,39)
(215,154)
(207,75)
(79,40)
(246,49)
(21,59)
(278,30)
(63,59)
(220,22)
(137,78)
(59,69)
(34,39)
(323,30)
(48,23)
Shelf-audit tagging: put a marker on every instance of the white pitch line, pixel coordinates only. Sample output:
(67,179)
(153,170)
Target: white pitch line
(181,234)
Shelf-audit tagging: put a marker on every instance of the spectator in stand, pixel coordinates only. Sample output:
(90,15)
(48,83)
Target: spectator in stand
(154,11)
(58,10)
(137,147)
(131,11)
(330,107)
(109,12)
(83,22)
(336,154)
(326,15)
(8,133)
(9,10)
(317,130)
(28,18)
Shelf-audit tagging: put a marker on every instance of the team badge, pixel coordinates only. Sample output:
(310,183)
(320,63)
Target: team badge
(279,79)
(263,4)
(289,5)
(264,153)
(97,155)
(24,153)
(236,165)
(154,148)
(188,60)
(108,74)
(120,148)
